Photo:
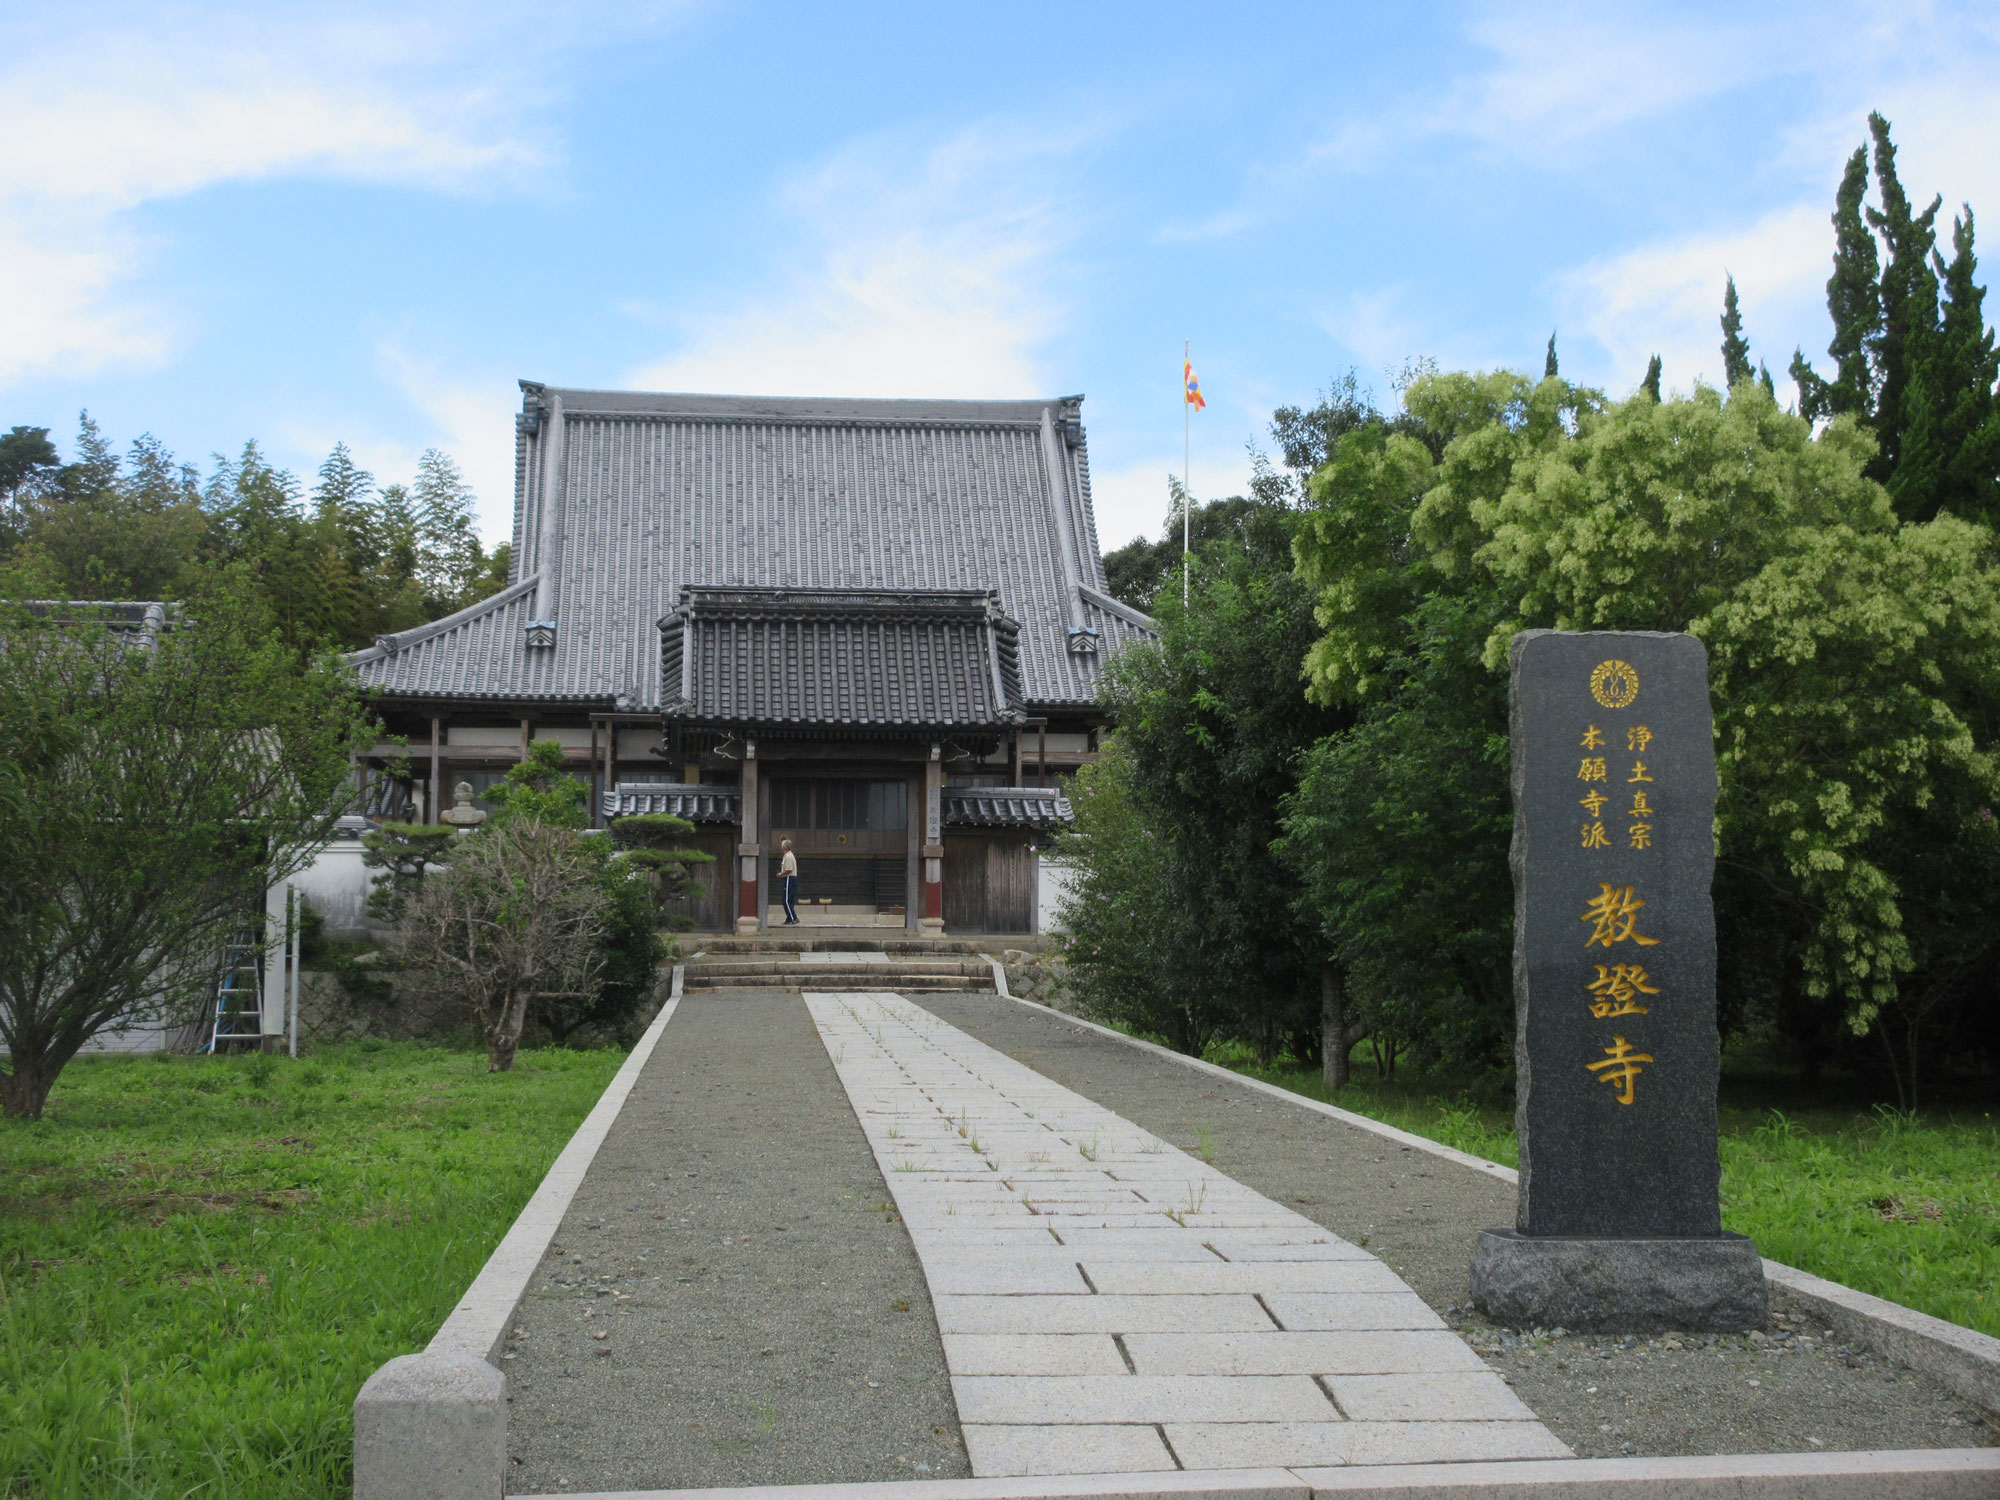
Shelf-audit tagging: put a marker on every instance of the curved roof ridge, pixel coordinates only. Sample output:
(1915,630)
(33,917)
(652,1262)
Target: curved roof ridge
(865,410)
(401,640)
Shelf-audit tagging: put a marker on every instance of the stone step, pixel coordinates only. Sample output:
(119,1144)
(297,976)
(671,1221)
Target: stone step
(872,977)
(837,984)
(789,965)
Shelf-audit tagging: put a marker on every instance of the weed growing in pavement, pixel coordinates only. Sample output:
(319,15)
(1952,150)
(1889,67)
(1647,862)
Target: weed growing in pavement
(961,1121)
(1154,1145)
(1089,1153)
(907,1166)
(895,1134)
(1204,1143)
(767,1415)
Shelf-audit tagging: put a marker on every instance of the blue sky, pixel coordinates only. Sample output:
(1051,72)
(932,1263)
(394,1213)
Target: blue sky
(301,223)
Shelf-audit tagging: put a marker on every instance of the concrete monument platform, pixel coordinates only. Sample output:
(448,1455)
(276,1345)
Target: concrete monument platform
(1643,1284)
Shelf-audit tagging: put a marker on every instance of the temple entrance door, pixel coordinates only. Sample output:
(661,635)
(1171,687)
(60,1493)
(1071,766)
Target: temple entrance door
(851,836)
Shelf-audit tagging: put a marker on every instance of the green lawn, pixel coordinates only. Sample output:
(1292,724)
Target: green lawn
(1907,1208)
(201,1260)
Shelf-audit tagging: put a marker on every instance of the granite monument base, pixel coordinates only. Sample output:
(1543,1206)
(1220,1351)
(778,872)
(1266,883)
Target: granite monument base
(1621,1285)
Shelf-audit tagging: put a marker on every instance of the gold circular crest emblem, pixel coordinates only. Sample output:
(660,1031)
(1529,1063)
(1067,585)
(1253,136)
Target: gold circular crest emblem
(1614,683)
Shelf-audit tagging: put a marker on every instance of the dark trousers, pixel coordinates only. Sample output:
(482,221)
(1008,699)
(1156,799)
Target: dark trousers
(791,897)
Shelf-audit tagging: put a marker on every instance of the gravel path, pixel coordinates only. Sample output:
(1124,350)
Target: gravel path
(1788,1389)
(732,1299)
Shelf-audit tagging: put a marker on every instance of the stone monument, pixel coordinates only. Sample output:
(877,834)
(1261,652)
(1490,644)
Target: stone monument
(1616,1050)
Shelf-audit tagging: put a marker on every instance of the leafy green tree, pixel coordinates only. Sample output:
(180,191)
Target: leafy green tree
(1852,658)
(1549,365)
(149,793)
(1211,721)
(1130,914)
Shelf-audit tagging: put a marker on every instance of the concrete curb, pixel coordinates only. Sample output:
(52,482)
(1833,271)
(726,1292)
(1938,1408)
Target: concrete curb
(999,976)
(1910,1474)
(423,1419)
(1963,1360)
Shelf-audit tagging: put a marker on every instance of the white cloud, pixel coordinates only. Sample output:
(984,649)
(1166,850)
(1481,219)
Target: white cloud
(108,109)
(920,269)
(1666,298)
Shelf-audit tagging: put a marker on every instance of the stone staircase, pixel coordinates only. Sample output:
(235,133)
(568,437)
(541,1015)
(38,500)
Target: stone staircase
(911,966)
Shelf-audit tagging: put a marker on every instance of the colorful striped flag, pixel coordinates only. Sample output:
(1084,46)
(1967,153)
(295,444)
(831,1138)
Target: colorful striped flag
(1193,383)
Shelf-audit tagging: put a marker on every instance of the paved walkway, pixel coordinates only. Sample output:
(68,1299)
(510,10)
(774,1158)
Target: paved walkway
(1108,1303)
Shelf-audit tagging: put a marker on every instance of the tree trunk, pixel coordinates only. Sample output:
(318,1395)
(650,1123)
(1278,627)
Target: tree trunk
(503,1037)
(1333,1028)
(25,1090)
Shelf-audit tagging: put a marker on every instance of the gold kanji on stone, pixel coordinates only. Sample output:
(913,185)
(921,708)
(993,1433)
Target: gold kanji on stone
(1642,835)
(1594,836)
(1638,737)
(1592,769)
(1638,772)
(1592,739)
(1618,988)
(1593,801)
(1620,1067)
(1614,916)
(1641,808)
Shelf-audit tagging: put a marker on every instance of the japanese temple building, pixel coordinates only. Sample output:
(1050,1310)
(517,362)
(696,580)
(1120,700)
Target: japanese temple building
(872,627)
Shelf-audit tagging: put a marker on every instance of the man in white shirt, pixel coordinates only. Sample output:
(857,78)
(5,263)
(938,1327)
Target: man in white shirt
(788,880)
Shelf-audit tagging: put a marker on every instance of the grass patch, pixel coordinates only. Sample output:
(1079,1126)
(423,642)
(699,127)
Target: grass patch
(202,1259)
(1906,1207)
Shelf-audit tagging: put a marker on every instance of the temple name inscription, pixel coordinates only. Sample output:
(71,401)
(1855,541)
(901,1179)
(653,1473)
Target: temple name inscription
(1616,1049)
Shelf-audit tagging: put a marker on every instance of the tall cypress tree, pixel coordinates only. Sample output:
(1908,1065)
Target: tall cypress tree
(1909,299)
(1950,456)
(1853,297)
(1651,384)
(1735,349)
(1549,359)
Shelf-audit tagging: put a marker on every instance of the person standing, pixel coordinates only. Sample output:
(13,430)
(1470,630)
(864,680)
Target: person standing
(788,880)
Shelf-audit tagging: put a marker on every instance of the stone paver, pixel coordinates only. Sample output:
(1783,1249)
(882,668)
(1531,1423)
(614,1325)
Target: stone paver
(1109,1303)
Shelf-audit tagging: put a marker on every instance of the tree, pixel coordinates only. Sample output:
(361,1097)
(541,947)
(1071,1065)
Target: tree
(150,794)
(517,919)
(26,457)
(1735,351)
(650,843)
(404,853)
(1549,366)
(1651,384)
(449,557)
(1210,721)
(1853,659)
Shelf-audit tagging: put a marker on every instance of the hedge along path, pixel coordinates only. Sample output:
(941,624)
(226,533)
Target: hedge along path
(1111,1304)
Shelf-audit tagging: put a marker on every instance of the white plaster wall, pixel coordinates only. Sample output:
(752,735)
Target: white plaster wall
(638,744)
(336,883)
(1052,883)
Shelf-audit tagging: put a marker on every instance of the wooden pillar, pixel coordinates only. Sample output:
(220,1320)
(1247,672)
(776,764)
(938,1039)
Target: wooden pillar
(933,918)
(527,729)
(1017,761)
(597,788)
(750,852)
(433,813)
(610,754)
(1042,756)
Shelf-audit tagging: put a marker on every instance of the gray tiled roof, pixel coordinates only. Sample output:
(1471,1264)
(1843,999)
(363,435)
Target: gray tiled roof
(698,804)
(1006,807)
(623,497)
(873,659)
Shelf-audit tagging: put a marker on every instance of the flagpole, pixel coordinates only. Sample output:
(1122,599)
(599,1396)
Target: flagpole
(1187,493)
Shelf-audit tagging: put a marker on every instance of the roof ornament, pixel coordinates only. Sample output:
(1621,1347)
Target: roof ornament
(541,635)
(1083,640)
